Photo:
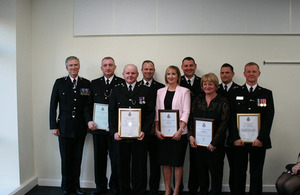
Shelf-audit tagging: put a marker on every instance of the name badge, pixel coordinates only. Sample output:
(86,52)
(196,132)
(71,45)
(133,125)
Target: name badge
(239,97)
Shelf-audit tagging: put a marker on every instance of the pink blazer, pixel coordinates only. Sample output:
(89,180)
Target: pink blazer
(181,101)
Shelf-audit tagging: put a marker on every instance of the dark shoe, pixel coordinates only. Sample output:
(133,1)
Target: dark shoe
(154,192)
(99,192)
(65,192)
(79,192)
(115,191)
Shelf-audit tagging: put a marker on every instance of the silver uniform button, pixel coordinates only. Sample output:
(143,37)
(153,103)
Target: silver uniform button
(75,100)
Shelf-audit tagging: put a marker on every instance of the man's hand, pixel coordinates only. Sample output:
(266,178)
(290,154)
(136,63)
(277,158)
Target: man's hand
(55,132)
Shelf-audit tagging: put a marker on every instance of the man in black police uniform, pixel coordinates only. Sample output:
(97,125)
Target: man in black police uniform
(71,93)
(101,90)
(191,81)
(132,95)
(251,98)
(226,88)
(148,70)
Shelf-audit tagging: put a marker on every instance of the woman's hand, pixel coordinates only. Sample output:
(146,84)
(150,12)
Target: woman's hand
(193,142)
(177,135)
(211,148)
(159,135)
(296,168)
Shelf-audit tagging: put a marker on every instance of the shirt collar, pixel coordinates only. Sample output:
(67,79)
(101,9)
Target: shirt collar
(133,85)
(253,87)
(191,79)
(228,85)
(73,78)
(110,79)
(150,82)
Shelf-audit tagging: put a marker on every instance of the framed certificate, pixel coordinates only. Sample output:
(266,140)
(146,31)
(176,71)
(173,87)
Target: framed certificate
(168,122)
(100,116)
(129,122)
(203,131)
(248,126)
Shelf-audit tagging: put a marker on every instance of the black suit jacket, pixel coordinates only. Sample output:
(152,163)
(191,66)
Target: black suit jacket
(153,87)
(195,89)
(224,93)
(122,98)
(70,121)
(244,102)
(100,93)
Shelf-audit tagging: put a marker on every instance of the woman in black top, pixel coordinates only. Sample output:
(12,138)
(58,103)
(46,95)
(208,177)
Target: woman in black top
(289,181)
(209,159)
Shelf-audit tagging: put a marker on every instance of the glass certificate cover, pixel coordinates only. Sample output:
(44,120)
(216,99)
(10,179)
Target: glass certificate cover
(168,122)
(100,116)
(203,131)
(248,126)
(129,122)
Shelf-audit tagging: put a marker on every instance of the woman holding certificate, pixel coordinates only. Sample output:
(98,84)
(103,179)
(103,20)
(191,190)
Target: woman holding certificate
(172,114)
(207,125)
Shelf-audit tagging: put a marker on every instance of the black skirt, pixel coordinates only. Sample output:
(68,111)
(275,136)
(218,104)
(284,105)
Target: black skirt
(172,152)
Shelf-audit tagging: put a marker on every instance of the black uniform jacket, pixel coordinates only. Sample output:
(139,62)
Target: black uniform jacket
(140,97)
(195,89)
(100,93)
(70,120)
(154,87)
(224,93)
(244,102)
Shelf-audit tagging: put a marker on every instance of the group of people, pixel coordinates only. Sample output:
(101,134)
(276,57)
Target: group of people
(193,97)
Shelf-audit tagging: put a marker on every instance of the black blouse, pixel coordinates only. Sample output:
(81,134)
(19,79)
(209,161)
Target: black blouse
(169,99)
(218,110)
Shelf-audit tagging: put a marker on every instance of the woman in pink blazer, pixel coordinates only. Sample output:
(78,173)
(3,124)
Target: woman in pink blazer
(172,149)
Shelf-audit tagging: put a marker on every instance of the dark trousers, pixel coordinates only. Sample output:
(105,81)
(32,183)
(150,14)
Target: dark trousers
(229,154)
(132,166)
(256,157)
(207,162)
(193,183)
(71,155)
(152,148)
(103,145)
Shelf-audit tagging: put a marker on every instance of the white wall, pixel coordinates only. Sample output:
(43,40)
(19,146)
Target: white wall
(9,161)
(24,86)
(53,41)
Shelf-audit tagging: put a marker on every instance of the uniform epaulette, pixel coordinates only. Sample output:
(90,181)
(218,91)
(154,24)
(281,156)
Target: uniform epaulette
(101,78)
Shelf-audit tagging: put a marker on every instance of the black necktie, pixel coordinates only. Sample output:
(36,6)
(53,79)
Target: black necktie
(226,88)
(130,88)
(74,83)
(147,84)
(107,82)
(251,89)
(189,83)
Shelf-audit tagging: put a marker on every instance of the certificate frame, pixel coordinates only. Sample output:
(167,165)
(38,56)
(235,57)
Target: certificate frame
(99,117)
(129,125)
(248,131)
(207,131)
(166,125)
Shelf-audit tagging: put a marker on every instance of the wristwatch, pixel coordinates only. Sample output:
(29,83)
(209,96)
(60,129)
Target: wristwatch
(182,129)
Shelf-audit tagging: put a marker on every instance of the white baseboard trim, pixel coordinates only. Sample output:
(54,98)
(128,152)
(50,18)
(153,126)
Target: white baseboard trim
(91,184)
(26,186)
(57,183)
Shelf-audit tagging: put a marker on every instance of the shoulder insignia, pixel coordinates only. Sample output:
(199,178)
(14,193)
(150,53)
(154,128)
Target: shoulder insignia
(65,77)
(101,78)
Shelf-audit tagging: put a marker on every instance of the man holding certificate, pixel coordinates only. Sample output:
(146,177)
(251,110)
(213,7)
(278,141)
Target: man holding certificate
(252,116)
(131,115)
(97,118)
(207,125)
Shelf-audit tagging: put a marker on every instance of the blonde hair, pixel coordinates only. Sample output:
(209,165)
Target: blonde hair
(210,77)
(177,72)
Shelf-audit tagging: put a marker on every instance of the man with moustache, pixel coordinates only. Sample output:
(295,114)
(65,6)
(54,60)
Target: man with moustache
(71,94)
(248,99)
(148,70)
(101,89)
(226,88)
(132,153)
